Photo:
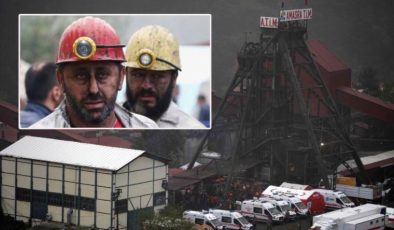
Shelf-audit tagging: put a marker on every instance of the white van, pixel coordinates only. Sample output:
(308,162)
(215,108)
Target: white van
(197,217)
(282,205)
(256,210)
(231,220)
(335,199)
(389,218)
(296,204)
(367,216)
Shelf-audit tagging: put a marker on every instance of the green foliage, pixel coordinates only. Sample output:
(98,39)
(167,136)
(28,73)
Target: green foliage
(172,211)
(169,218)
(388,92)
(166,223)
(39,36)
(367,80)
(145,215)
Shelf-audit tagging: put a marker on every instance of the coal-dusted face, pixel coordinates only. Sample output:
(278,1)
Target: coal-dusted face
(150,92)
(91,90)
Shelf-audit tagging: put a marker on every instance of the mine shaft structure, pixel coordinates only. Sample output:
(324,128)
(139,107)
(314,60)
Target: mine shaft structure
(280,112)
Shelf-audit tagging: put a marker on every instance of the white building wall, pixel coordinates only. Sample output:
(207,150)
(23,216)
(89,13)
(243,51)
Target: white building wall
(8,185)
(139,181)
(103,221)
(104,179)
(39,184)
(103,203)
(39,169)
(8,206)
(141,176)
(122,220)
(55,186)
(55,172)
(87,218)
(138,190)
(23,181)
(8,192)
(23,208)
(87,176)
(103,193)
(87,191)
(49,177)
(24,167)
(65,211)
(8,179)
(103,207)
(56,213)
(8,165)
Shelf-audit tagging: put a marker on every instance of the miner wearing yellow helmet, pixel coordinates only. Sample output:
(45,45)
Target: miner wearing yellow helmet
(152,65)
(90,71)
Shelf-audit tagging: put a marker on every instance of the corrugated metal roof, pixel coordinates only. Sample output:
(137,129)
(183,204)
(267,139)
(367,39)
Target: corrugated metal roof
(375,161)
(72,153)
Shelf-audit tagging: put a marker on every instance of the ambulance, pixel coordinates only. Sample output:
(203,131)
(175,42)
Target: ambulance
(389,218)
(296,204)
(282,205)
(197,217)
(256,210)
(312,199)
(335,199)
(231,220)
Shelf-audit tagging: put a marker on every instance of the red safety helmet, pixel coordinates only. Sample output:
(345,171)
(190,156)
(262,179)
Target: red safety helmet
(89,39)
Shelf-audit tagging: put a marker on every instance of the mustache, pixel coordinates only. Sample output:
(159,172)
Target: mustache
(94,97)
(146,92)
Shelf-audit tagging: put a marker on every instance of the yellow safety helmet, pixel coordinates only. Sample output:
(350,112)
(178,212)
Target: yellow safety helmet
(153,47)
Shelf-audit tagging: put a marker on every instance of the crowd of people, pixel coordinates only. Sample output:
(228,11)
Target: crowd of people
(213,195)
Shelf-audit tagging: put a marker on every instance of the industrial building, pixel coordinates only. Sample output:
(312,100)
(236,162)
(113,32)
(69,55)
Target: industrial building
(81,184)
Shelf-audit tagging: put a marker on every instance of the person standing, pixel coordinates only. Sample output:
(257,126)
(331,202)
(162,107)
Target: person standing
(90,72)
(204,113)
(152,65)
(43,93)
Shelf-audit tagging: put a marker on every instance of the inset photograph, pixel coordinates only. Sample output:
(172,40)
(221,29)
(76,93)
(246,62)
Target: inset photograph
(115,71)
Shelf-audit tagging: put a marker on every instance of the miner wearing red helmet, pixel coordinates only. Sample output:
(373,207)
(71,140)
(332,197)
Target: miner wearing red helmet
(90,72)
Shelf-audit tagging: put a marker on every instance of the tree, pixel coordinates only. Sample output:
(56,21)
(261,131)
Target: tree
(39,36)
(388,92)
(367,80)
(169,218)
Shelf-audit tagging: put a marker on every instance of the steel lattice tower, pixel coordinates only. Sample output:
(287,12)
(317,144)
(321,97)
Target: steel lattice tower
(284,115)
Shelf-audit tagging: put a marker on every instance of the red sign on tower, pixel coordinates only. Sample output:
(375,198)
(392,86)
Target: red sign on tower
(269,22)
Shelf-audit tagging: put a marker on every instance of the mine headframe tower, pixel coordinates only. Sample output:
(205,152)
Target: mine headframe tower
(285,116)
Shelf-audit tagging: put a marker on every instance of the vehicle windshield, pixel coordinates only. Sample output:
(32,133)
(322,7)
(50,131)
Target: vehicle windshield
(274,211)
(284,208)
(345,200)
(300,205)
(242,220)
(215,222)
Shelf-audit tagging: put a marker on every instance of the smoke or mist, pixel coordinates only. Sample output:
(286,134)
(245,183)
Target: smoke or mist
(360,32)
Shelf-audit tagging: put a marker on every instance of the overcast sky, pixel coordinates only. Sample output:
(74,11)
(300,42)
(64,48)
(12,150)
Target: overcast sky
(360,32)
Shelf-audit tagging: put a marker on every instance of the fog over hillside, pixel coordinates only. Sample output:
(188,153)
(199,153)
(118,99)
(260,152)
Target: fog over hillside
(360,32)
